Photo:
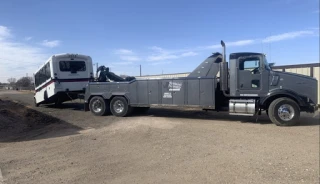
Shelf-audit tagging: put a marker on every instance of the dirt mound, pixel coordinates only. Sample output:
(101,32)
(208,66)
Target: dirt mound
(17,120)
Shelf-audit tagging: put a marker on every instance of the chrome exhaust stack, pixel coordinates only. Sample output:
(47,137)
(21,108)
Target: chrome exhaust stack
(224,71)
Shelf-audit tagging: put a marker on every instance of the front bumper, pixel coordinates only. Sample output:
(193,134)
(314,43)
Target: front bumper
(311,108)
(316,107)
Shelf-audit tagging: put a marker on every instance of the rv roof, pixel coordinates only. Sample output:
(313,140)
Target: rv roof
(70,54)
(61,56)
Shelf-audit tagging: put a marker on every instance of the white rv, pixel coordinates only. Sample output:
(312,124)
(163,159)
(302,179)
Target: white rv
(61,78)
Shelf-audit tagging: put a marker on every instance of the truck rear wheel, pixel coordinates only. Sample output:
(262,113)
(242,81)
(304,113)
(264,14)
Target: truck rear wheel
(284,112)
(119,107)
(98,106)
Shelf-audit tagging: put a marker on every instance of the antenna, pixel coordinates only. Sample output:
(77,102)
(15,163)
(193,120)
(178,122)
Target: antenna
(270,52)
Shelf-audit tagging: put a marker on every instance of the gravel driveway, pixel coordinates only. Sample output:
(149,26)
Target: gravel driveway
(162,146)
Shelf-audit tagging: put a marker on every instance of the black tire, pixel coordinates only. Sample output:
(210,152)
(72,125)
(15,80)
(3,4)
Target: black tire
(35,103)
(58,102)
(98,106)
(284,119)
(119,107)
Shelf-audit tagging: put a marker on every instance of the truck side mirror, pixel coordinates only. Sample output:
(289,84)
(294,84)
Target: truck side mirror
(271,65)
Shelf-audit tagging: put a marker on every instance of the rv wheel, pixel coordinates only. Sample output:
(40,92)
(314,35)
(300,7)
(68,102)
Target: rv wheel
(58,102)
(35,102)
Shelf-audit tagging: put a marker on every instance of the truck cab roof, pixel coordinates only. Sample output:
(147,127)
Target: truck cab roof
(239,54)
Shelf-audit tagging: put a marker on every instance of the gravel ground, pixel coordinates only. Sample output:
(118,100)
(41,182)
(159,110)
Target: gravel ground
(162,146)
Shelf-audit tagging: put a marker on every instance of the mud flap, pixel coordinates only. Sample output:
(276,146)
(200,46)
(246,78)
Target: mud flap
(86,107)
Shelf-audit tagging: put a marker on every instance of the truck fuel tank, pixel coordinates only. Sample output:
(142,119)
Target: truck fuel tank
(244,107)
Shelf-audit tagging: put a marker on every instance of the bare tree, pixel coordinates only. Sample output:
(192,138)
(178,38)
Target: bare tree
(31,80)
(12,80)
(24,82)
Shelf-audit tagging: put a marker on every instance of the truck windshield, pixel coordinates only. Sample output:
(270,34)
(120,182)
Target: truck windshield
(266,65)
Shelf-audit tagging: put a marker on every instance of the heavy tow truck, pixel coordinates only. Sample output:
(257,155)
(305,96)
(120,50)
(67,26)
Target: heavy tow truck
(246,85)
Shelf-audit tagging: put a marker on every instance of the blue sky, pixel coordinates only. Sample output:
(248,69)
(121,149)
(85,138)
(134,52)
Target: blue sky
(163,36)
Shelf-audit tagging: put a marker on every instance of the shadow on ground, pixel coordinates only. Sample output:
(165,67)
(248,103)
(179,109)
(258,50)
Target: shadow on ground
(19,123)
(70,105)
(305,119)
(169,112)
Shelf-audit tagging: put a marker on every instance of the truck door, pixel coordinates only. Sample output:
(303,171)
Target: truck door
(252,79)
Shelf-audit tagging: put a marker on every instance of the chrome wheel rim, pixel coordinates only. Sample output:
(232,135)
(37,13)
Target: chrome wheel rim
(97,106)
(118,106)
(286,112)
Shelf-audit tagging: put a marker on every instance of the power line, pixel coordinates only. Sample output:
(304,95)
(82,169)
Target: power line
(32,64)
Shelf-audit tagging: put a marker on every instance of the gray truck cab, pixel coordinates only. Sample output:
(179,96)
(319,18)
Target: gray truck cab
(252,76)
(254,85)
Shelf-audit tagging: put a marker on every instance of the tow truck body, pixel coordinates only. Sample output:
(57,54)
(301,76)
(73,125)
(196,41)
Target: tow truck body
(246,86)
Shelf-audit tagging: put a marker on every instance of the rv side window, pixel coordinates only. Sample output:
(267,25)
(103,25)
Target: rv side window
(48,72)
(72,66)
(42,75)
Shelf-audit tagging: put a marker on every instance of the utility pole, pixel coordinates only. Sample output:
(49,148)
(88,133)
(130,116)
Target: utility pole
(140,70)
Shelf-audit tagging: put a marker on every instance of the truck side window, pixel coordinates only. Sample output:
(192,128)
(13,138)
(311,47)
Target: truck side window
(255,83)
(251,64)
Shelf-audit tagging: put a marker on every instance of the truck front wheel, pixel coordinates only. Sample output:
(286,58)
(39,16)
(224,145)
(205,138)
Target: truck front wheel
(98,106)
(284,112)
(119,107)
